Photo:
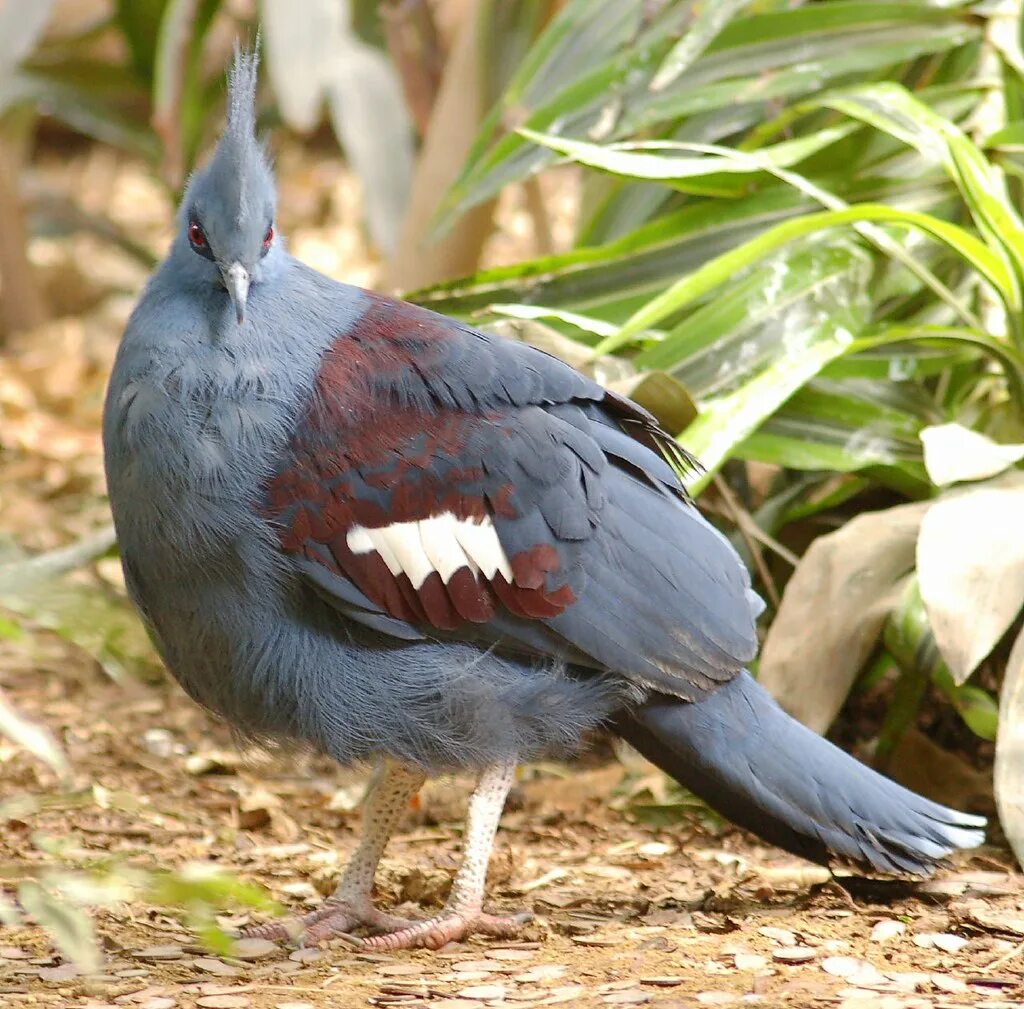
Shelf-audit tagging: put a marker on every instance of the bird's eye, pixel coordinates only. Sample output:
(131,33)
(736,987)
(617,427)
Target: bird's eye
(196,235)
(268,237)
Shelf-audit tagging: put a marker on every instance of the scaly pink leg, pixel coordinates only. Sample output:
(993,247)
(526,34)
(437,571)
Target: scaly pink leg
(350,907)
(463,915)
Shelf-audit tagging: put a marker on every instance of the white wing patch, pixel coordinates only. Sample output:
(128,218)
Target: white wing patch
(442,543)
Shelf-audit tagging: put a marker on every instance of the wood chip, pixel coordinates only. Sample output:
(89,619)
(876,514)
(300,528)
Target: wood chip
(794,954)
(296,1005)
(629,996)
(542,972)
(512,954)
(307,954)
(662,982)
(253,949)
(717,998)
(947,983)
(750,961)
(945,941)
(142,995)
(13,953)
(567,994)
(484,991)
(159,953)
(218,967)
(161,1002)
(841,966)
(224,1001)
(400,970)
(471,966)
(64,972)
(610,986)
(887,929)
(781,935)
(597,940)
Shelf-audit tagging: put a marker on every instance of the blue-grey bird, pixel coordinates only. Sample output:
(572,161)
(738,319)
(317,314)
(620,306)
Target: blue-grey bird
(362,527)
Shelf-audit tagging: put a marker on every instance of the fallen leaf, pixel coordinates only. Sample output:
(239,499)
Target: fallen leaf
(159,953)
(970,564)
(940,940)
(629,996)
(887,929)
(218,967)
(855,575)
(1008,775)
(947,983)
(780,935)
(484,991)
(953,453)
(542,972)
(253,949)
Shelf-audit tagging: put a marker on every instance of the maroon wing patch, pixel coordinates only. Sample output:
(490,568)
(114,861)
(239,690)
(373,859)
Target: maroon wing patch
(423,508)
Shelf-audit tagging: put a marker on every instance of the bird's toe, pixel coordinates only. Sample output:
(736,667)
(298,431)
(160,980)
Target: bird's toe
(449,926)
(333,919)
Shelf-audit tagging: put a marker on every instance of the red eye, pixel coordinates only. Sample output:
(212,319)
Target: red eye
(268,237)
(196,235)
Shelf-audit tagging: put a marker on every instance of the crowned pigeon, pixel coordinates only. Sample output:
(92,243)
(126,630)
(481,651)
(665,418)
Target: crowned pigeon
(360,527)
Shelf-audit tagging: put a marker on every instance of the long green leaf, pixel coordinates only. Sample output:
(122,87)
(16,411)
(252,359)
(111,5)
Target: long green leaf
(755,60)
(844,427)
(892,108)
(727,421)
(671,166)
(710,20)
(602,280)
(667,161)
(763,315)
(725,267)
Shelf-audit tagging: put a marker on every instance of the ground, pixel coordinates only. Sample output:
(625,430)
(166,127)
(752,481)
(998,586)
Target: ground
(683,915)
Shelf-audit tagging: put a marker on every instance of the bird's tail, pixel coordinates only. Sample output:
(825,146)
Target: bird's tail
(753,763)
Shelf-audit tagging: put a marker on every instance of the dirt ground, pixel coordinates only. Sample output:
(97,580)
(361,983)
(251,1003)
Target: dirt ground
(626,914)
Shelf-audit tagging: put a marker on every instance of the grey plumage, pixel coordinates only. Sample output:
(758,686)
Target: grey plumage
(264,423)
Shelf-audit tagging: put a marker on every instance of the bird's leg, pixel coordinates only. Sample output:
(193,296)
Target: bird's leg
(463,914)
(350,906)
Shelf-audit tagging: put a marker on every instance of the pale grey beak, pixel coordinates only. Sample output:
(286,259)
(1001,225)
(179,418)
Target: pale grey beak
(236,280)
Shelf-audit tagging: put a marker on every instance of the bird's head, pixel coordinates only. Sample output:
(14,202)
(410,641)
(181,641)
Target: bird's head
(228,211)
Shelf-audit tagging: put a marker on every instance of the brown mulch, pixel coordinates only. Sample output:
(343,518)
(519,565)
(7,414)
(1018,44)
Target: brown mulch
(626,914)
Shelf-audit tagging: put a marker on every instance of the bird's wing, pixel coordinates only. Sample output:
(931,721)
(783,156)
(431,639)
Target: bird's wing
(443,482)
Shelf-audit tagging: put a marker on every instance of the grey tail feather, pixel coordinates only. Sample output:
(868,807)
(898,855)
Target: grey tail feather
(765,771)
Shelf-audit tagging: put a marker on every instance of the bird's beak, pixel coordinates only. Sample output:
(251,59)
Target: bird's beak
(236,280)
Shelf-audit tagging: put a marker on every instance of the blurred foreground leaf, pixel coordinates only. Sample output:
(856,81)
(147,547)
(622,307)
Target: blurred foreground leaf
(35,738)
(72,929)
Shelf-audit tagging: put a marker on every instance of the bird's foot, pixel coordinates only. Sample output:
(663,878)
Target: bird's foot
(335,918)
(448,926)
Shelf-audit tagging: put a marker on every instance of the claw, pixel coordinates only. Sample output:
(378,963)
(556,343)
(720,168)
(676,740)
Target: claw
(333,919)
(445,928)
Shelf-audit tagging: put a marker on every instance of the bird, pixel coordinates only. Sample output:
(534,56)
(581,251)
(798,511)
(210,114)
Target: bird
(364,529)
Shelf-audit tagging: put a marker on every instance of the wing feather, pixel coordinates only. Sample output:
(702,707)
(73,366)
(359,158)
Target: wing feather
(443,481)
